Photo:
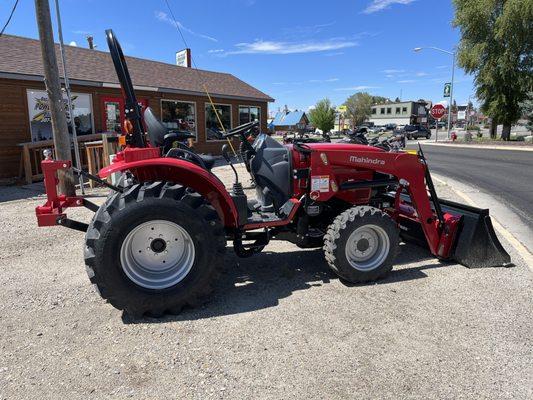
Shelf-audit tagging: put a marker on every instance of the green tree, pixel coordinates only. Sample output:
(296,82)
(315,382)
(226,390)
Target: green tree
(323,116)
(358,108)
(380,100)
(526,108)
(496,46)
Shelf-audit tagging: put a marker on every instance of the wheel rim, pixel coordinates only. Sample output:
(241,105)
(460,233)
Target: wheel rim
(157,254)
(367,247)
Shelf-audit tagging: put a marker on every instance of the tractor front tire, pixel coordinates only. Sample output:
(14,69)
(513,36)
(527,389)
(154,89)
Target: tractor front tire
(361,244)
(154,249)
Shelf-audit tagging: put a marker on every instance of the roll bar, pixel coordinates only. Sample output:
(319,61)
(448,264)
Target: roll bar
(133,109)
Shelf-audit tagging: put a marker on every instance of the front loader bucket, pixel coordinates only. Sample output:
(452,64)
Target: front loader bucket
(476,244)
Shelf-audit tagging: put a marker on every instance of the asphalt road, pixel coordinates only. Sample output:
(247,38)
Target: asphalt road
(506,174)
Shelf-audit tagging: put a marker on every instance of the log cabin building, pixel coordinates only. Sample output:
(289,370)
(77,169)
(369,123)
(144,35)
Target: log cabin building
(176,94)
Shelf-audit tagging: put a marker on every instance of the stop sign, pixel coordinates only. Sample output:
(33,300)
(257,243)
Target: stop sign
(437,111)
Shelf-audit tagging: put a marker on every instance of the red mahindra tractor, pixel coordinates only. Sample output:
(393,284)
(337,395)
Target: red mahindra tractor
(155,244)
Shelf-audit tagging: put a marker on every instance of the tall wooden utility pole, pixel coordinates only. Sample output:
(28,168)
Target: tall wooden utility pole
(55,97)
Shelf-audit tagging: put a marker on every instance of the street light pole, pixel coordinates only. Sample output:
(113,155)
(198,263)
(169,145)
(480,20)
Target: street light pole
(451,97)
(453,54)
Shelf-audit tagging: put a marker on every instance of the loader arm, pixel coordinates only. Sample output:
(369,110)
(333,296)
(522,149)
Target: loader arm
(410,170)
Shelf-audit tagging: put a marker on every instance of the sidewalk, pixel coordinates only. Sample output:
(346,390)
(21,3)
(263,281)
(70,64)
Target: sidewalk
(505,221)
(521,147)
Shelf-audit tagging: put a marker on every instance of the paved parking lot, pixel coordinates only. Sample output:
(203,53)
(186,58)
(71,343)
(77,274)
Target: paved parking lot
(279,325)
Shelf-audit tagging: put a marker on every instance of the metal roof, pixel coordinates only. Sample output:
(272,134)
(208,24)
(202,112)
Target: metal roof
(291,118)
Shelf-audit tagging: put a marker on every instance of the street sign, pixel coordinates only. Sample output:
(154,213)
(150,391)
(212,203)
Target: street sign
(437,111)
(447,89)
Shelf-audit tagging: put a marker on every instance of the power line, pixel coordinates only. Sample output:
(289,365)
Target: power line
(10,16)
(177,25)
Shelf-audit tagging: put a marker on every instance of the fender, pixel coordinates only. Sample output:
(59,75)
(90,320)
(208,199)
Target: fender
(184,173)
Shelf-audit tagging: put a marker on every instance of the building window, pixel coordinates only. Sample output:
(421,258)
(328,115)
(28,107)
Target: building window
(397,110)
(40,120)
(389,110)
(373,111)
(179,115)
(249,114)
(213,130)
(383,110)
(404,110)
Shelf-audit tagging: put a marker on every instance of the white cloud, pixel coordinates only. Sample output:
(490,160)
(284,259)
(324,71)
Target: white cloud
(216,51)
(337,53)
(81,32)
(393,71)
(300,31)
(361,87)
(273,47)
(379,5)
(421,74)
(407,81)
(442,66)
(73,43)
(163,17)
(323,80)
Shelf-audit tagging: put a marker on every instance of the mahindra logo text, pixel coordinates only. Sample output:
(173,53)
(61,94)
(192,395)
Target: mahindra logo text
(366,160)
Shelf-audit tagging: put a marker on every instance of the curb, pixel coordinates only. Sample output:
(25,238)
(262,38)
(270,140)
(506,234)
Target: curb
(522,250)
(478,146)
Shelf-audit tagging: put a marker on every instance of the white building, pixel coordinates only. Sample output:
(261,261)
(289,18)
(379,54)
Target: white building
(402,113)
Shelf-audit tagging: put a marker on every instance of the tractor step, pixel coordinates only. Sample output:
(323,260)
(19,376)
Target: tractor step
(264,219)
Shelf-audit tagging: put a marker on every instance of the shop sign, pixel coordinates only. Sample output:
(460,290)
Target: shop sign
(40,118)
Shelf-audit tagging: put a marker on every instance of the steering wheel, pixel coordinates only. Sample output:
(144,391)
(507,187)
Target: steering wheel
(240,130)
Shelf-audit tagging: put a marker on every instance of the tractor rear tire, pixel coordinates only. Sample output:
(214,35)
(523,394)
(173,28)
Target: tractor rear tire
(361,244)
(154,249)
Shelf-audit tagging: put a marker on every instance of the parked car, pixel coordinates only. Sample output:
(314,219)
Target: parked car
(363,129)
(433,124)
(416,132)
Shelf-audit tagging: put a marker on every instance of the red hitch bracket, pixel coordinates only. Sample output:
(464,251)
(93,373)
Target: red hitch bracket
(52,212)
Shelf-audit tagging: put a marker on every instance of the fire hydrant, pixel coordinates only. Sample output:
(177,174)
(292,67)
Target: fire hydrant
(454,136)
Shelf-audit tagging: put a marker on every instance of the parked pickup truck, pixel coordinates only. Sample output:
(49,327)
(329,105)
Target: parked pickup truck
(416,132)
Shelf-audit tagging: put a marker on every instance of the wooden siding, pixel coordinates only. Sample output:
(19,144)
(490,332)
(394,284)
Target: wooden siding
(15,127)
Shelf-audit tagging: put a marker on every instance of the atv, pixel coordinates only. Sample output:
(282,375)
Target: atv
(389,143)
(157,242)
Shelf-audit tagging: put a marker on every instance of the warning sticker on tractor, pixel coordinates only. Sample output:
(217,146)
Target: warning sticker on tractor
(320,183)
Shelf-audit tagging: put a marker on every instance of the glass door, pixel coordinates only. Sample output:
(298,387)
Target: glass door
(113,113)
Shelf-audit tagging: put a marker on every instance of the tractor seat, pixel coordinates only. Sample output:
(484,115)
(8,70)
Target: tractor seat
(180,136)
(185,153)
(208,160)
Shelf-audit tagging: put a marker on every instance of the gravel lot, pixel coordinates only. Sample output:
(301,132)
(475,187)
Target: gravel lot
(279,325)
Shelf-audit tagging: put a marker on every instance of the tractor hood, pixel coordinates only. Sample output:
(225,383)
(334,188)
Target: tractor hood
(349,147)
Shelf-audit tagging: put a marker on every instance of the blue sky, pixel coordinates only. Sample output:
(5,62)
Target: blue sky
(296,51)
